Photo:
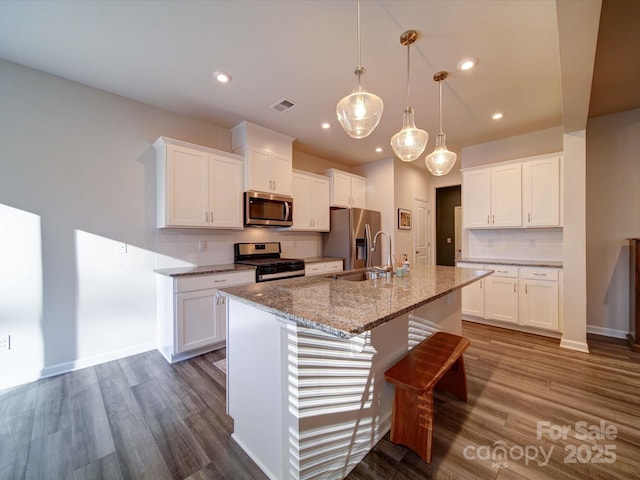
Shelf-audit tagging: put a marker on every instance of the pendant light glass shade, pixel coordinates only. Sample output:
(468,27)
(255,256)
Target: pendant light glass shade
(441,160)
(359,112)
(409,143)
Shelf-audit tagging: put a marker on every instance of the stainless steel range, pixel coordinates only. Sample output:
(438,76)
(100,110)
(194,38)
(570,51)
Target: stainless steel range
(266,258)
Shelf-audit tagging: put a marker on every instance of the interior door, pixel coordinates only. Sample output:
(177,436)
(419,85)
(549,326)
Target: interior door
(421,240)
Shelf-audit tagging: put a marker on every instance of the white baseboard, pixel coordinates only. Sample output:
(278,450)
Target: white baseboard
(607,332)
(32,376)
(572,345)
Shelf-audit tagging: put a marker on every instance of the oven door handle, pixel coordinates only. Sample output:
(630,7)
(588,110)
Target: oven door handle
(286,211)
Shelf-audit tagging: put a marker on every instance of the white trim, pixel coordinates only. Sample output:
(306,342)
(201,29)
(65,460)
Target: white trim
(607,332)
(32,376)
(571,345)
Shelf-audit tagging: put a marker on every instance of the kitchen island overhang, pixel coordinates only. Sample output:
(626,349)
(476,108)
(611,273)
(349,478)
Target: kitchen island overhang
(306,357)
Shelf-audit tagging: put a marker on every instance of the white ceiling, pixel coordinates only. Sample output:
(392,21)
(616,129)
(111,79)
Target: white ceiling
(163,53)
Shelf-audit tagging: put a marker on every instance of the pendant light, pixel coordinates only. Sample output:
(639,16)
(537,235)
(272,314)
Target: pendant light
(409,143)
(359,112)
(440,161)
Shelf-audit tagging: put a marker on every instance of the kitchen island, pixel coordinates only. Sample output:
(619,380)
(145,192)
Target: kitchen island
(306,358)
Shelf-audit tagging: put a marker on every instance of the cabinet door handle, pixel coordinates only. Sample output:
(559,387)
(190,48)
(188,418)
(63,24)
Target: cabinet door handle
(514,288)
(274,184)
(493,219)
(526,290)
(220,281)
(488,220)
(528,218)
(540,274)
(480,281)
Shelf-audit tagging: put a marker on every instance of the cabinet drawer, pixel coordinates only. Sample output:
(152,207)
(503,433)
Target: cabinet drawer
(538,273)
(334,266)
(218,280)
(315,268)
(503,270)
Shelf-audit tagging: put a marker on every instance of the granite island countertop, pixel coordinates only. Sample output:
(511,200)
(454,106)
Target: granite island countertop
(346,308)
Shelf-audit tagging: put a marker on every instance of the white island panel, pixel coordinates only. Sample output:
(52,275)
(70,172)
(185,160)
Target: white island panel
(307,404)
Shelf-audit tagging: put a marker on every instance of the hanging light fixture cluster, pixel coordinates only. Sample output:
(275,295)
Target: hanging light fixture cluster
(409,143)
(441,160)
(359,112)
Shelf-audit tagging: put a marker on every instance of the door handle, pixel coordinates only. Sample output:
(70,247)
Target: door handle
(286,210)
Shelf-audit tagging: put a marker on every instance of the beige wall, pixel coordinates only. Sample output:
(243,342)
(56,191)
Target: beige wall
(519,146)
(311,163)
(77,179)
(613,215)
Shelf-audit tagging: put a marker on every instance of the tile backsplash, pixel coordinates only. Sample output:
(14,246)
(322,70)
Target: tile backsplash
(183,248)
(516,244)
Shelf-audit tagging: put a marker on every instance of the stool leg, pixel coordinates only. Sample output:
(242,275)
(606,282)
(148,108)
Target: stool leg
(455,380)
(412,421)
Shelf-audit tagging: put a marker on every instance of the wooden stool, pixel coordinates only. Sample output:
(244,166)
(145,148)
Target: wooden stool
(436,362)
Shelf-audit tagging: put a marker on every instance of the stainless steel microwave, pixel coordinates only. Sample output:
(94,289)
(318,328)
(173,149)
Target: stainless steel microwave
(267,210)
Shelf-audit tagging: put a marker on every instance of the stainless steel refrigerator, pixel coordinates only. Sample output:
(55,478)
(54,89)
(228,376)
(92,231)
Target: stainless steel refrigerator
(352,230)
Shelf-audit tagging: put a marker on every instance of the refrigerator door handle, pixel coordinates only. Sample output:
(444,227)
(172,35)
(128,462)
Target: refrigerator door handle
(367,246)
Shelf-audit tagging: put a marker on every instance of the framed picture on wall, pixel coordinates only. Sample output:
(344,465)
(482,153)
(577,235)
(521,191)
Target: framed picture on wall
(404,219)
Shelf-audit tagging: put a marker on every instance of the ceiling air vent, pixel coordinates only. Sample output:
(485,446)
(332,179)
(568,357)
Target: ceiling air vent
(283,105)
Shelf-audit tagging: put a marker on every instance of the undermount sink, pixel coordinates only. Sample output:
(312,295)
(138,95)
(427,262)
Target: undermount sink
(356,277)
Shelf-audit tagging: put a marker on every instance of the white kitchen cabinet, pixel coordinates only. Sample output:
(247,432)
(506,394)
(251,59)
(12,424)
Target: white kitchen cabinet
(526,296)
(539,297)
(346,189)
(491,197)
(311,202)
(197,187)
(501,294)
(319,268)
(191,314)
(541,205)
(268,158)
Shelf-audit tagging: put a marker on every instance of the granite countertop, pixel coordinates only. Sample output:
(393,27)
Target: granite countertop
(344,308)
(322,259)
(519,263)
(202,270)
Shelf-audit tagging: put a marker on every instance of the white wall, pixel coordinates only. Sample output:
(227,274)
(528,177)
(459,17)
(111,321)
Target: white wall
(77,179)
(409,182)
(613,215)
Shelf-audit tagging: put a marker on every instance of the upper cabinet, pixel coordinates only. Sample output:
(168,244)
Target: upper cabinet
(197,187)
(347,190)
(541,191)
(311,202)
(491,197)
(524,193)
(268,158)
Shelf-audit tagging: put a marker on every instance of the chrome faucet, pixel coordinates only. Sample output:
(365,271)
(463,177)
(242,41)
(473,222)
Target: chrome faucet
(389,266)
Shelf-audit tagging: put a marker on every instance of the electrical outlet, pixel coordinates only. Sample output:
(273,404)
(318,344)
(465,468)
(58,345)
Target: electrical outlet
(532,243)
(122,247)
(5,343)
(202,246)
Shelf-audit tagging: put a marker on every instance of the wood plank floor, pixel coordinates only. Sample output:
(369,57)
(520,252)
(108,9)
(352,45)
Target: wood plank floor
(139,417)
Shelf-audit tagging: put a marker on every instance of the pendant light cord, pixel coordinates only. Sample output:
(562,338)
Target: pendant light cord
(359,52)
(440,87)
(408,70)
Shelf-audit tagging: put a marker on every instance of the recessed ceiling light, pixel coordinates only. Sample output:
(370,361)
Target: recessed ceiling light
(497,115)
(222,77)
(467,63)
(379,149)
(325,125)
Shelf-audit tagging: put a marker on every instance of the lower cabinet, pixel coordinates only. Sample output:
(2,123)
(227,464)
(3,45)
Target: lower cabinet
(318,268)
(527,296)
(539,298)
(501,294)
(191,314)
